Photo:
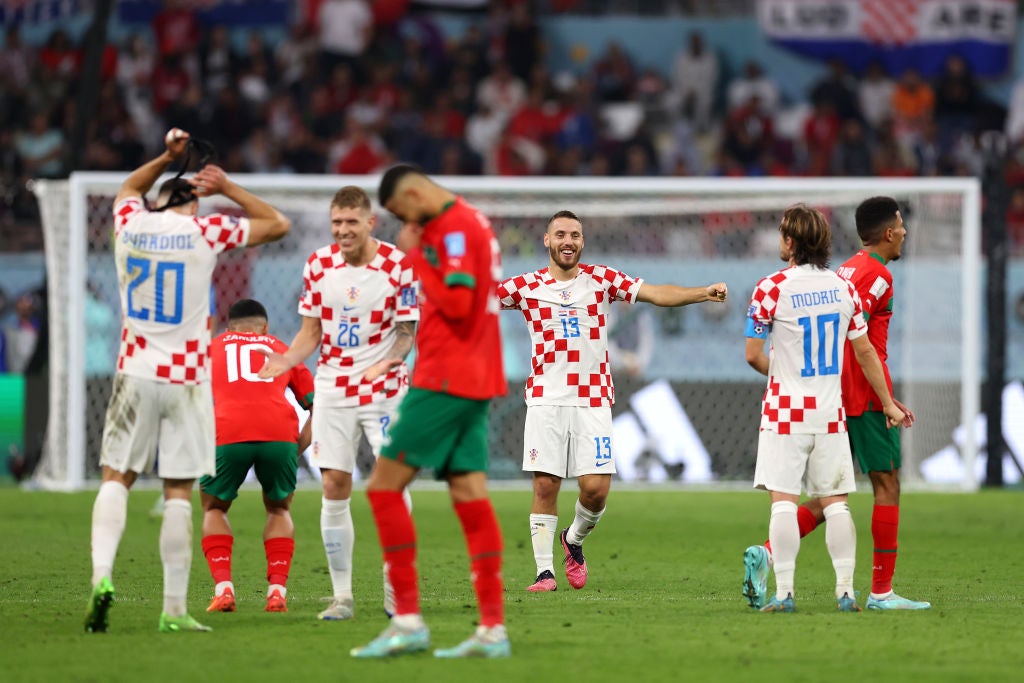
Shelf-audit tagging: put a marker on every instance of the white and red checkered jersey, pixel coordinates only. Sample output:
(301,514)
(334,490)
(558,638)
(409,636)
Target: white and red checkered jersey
(358,308)
(806,313)
(568,324)
(165,263)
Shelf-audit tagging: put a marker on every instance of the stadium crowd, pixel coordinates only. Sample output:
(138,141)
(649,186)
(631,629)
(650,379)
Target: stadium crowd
(356,86)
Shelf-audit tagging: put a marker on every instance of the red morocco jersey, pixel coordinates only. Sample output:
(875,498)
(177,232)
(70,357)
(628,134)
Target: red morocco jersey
(461,358)
(249,408)
(165,262)
(806,313)
(358,308)
(568,324)
(873,283)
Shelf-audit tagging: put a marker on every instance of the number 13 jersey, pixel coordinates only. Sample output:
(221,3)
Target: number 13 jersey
(568,323)
(806,313)
(165,263)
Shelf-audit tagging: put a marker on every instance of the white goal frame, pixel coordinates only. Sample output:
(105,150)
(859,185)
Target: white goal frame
(67,321)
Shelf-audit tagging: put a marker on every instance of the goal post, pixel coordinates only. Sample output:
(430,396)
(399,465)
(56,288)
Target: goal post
(688,231)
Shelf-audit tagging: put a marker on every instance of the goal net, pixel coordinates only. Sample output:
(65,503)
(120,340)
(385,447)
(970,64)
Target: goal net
(687,404)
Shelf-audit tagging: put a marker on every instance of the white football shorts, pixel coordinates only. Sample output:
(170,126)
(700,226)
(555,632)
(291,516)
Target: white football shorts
(336,432)
(820,463)
(568,441)
(169,425)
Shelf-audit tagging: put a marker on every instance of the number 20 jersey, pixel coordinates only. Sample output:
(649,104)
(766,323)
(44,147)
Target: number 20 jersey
(806,313)
(568,324)
(165,263)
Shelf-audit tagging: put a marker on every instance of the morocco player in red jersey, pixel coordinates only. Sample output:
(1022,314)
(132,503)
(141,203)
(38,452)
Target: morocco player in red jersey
(442,421)
(569,393)
(256,428)
(877,449)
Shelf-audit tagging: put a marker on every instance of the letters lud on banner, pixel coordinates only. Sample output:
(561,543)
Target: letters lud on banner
(896,33)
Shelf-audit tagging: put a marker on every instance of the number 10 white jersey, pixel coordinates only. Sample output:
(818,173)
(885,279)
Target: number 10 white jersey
(806,313)
(165,263)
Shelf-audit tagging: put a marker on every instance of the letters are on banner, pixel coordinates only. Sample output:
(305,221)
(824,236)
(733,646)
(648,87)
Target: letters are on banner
(897,33)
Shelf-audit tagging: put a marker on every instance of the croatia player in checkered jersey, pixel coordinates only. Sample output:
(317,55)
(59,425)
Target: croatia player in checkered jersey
(806,312)
(569,393)
(161,395)
(359,307)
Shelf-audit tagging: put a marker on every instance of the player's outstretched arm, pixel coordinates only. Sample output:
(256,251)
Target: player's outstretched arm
(141,179)
(875,375)
(305,342)
(267,224)
(674,295)
(405,335)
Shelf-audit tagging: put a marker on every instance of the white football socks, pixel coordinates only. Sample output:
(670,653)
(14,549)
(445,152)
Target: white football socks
(543,529)
(339,536)
(176,554)
(841,541)
(109,513)
(582,524)
(784,534)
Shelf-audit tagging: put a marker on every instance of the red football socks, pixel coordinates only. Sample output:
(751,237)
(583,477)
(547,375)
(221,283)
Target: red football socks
(217,549)
(398,542)
(885,522)
(279,559)
(483,539)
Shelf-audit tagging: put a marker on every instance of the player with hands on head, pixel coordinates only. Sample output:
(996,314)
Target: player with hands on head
(569,392)
(161,397)
(359,306)
(257,428)
(805,312)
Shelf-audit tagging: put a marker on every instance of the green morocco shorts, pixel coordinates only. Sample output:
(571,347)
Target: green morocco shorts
(877,449)
(275,463)
(439,431)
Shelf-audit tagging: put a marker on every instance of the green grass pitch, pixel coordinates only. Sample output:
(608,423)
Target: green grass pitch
(663,602)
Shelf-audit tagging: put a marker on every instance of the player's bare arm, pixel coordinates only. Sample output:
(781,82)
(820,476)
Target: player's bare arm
(674,295)
(756,357)
(306,340)
(141,180)
(872,367)
(306,435)
(267,224)
(405,335)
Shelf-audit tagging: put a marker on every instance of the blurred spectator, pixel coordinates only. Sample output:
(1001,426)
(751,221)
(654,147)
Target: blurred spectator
(522,43)
(218,65)
(190,112)
(22,334)
(694,75)
(852,153)
(749,134)
(483,131)
(682,157)
(753,82)
(358,152)
(41,147)
(821,132)
(913,102)
(956,98)
(170,81)
(254,83)
(59,56)
(231,120)
(874,94)
(345,28)
(135,64)
(1015,113)
(502,90)
(177,32)
(930,151)
(838,89)
(296,56)
(614,74)
(16,60)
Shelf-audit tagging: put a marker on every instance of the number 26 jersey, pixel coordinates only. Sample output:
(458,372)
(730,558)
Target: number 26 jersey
(806,313)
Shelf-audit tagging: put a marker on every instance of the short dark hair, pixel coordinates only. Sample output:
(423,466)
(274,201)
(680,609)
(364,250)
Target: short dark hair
(874,216)
(811,235)
(351,197)
(246,308)
(564,213)
(389,181)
